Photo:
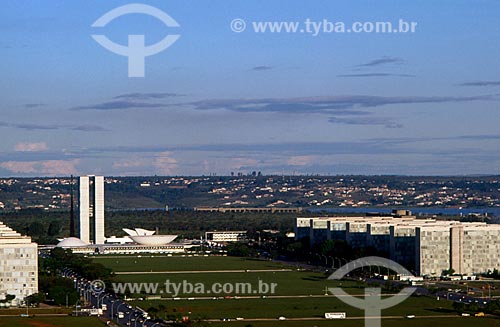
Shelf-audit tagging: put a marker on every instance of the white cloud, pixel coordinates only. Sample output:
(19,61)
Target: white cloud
(45,167)
(161,163)
(19,166)
(239,163)
(301,160)
(31,146)
(165,164)
(133,162)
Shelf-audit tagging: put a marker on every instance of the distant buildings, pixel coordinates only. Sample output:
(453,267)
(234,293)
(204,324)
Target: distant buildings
(424,246)
(138,241)
(18,264)
(447,193)
(120,248)
(92,206)
(246,209)
(226,236)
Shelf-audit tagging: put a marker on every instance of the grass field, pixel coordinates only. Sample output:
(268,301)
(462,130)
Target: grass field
(290,307)
(298,283)
(50,322)
(454,322)
(35,311)
(287,283)
(184,263)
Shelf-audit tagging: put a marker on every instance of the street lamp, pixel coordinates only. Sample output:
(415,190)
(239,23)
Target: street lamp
(88,293)
(112,307)
(106,296)
(136,319)
(130,317)
(489,290)
(76,307)
(326,259)
(112,303)
(98,295)
(118,310)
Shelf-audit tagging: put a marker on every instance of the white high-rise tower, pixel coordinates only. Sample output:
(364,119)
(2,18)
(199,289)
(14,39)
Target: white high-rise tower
(92,205)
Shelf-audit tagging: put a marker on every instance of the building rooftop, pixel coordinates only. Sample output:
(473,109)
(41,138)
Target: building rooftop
(321,222)
(10,236)
(71,242)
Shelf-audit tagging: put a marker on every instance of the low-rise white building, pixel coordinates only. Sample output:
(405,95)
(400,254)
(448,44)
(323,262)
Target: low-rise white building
(226,236)
(18,264)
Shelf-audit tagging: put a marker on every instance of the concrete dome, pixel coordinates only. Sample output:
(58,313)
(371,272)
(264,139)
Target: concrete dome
(153,239)
(71,242)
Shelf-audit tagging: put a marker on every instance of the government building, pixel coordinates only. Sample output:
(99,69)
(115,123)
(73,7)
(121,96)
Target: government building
(18,264)
(426,247)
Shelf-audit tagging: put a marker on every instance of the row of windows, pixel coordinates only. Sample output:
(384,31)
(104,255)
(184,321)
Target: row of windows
(13,280)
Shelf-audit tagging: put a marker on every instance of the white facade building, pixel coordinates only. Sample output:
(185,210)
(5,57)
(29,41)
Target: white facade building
(423,246)
(92,206)
(18,264)
(226,236)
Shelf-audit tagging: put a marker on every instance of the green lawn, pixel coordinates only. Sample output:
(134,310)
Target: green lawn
(35,311)
(50,322)
(290,307)
(453,322)
(177,262)
(295,282)
(287,283)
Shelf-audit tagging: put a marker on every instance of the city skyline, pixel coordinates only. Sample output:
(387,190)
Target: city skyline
(220,101)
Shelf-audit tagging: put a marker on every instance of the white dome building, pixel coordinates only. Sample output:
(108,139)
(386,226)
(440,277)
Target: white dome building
(147,237)
(71,242)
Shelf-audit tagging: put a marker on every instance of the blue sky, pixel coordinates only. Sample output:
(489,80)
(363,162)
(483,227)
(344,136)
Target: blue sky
(217,101)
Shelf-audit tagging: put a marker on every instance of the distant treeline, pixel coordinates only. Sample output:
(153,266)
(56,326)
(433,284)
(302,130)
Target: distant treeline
(46,227)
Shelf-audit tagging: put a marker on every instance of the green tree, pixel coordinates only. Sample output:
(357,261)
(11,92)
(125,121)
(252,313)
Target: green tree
(54,228)
(36,298)
(448,272)
(458,307)
(493,306)
(153,311)
(295,247)
(238,249)
(59,293)
(36,229)
(8,298)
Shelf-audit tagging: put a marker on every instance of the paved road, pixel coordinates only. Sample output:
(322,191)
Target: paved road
(462,297)
(118,310)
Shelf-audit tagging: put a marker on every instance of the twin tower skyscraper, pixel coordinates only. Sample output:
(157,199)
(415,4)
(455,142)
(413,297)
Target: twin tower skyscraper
(92,209)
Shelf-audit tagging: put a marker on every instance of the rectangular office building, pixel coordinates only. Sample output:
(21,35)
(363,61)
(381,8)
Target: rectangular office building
(18,264)
(92,208)
(425,247)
